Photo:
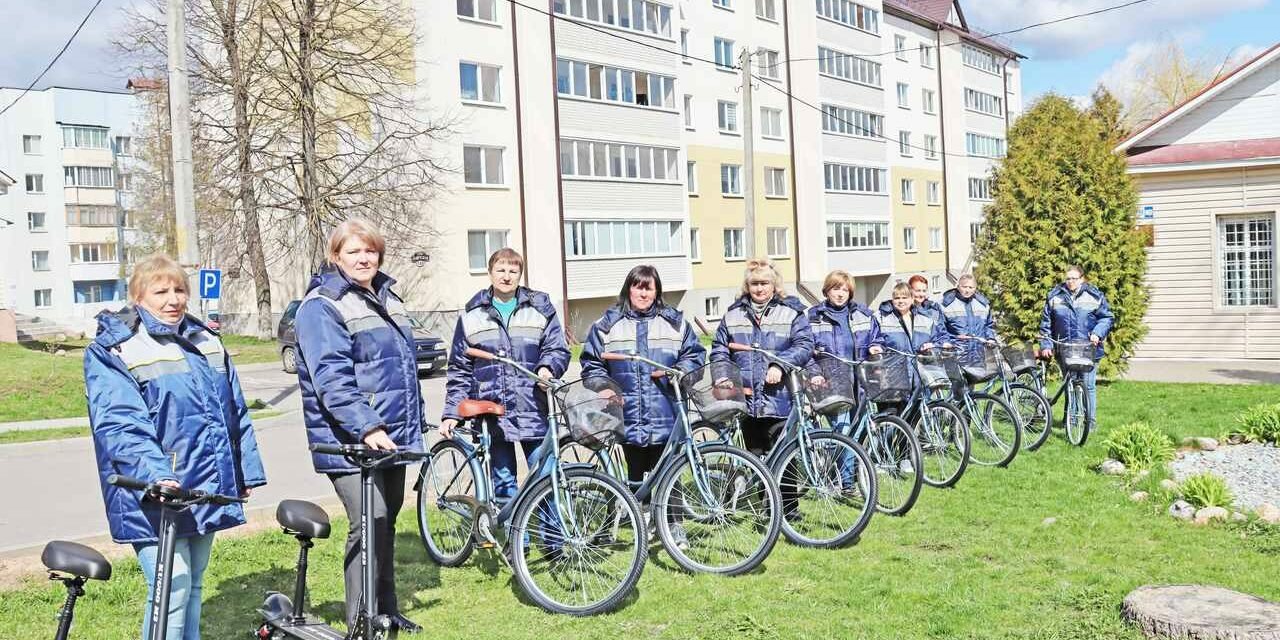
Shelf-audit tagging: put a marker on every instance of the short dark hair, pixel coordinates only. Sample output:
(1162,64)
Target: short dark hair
(638,274)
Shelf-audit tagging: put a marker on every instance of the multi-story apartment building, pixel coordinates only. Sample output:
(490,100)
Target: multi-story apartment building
(70,152)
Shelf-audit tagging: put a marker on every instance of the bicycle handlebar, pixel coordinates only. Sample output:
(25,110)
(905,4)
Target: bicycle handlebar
(156,490)
(550,384)
(772,357)
(662,369)
(365,452)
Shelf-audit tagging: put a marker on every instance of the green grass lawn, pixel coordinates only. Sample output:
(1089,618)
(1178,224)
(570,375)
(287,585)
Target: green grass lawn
(973,562)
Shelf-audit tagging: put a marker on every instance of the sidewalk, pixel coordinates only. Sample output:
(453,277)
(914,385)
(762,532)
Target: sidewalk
(1211,371)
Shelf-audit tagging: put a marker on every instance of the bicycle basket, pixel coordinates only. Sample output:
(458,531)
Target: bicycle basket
(887,378)
(1019,357)
(714,391)
(1076,356)
(592,409)
(935,370)
(978,361)
(828,382)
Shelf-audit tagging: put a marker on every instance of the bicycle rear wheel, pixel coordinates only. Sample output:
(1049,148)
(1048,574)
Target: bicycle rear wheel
(730,524)
(944,444)
(828,501)
(994,431)
(1077,422)
(1036,415)
(895,455)
(578,549)
(446,499)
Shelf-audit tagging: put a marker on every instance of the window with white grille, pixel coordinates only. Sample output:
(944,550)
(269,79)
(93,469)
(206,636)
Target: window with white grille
(991,105)
(980,59)
(775,182)
(727,116)
(854,179)
(1246,248)
(909,239)
(481,243)
(767,63)
(979,189)
(850,14)
(848,67)
(857,235)
(645,16)
(778,244)
(852,122)
(599,159)
(733,243)
(982,146)
(615,239)
(771,123)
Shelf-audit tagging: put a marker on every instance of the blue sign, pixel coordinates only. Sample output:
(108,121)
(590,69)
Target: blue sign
(210,284)
(1146,212)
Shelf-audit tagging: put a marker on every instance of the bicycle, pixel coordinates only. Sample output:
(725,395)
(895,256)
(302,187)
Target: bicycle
(716,508)
(938,425)
(1075,359)
(827,502)
(888,440)
(572,533)
(1028,402)
(994,427)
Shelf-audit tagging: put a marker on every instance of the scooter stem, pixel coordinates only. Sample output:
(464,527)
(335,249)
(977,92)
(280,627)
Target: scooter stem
(163,573)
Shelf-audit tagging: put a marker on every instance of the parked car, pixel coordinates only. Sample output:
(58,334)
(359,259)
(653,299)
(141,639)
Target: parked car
(213,320)
(431,351)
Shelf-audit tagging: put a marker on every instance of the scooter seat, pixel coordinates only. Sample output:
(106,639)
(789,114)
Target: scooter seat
(75,559)
(303,517)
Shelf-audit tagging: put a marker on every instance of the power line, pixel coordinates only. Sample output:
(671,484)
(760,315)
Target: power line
(55,58)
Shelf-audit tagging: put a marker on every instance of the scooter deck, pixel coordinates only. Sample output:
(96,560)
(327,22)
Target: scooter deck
(309,629)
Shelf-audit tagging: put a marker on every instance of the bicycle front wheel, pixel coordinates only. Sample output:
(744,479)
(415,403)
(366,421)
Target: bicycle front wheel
(895,455)
(578,549)
(446,504)
(1077,422)
(994,430)
(1036,415)
(828,490)
(721,517)
(944,444)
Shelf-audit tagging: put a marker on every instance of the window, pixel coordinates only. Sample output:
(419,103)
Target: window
(848,67)
(777,241)
(771,122)
(35,221)
(926,56)
(645,16)
(724,53)
(908,190)
(935,238)
(933,192)
(691,176)
(93,252)
(733,244)
(850,14)
(614,238)
(849,178)
(767,9)
(975,231)
(695,245)
(481,244)
(904,95)
(852,122)
(904,143)
(982,146)
(482,165)
(931,147)
(927,101)
(43,298)
(688,112)
(586,159)
(89,291)
(35,183)
(727,116)
(1246,248)
(768,64)
(775,182)
(909,239)
(129,220)
(482,9)
(479,82)
(857,235)
(39,260)
(980,59)
(124,145)
(31,146)
(89,215)
(979,189)
(88,177)
(731,179)
(612,84)
(723,4)
(900,47)
(84,137)
(711,307)
(935,283)
(124,181)
(983,102)
(684,47)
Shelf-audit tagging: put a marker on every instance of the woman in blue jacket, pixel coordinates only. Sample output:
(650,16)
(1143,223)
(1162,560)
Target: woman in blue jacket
(907,327)
(358,373)
(641,323)
(521,324)
(965,312)
(1077,311)
(165,406)
(843,327)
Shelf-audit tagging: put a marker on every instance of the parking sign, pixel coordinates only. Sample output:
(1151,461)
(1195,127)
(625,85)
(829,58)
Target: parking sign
(210,284)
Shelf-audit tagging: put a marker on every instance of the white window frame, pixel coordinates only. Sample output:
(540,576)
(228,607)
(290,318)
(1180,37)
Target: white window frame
(44,222)
(711,307)
(488,236)
(88,177)
(35,263)
(731,179)
(850,14)
(484,151)
(91,215)
(476,11)
(904,95)
(691,176)
(904,144)
(771,123)
(727,117)
(841,177)
(31,144)
(93,252)
(980,59)
(935,239)
(480,69)
(1249,292)
(723,4)
(909,240)
(984,103)
(767,10)
(858,235)
(933,193)
(928,101)
(768,65)
(614,161)
(647,233)
(927,58)
(574,82)
(975,230)
(846,121)
(733,237)
(656,16)
(35,180)
(684,47)
(907,190)
(123,145)
(36,298)
(848,67)
(695,244)
(688,112)
(900,47)
(931,147)
(978,145)
(980,189)
(725,60)
(85,137)
(775,182)
(774,236)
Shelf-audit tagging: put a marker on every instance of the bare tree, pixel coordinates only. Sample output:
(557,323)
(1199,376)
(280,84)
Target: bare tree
(1167,76)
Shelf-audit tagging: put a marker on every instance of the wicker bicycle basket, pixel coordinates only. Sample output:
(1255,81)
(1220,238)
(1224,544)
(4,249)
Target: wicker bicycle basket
(592,409)
(1076,356)
(714,392)
(828,382)
(887,378)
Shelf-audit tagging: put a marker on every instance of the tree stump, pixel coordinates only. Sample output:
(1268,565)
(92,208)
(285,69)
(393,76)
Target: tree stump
(1201,613)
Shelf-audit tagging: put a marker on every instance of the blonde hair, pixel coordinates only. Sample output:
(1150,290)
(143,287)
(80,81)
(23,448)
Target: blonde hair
(901,287)
(154,268)
(837,278)
(356,228)
(762,266)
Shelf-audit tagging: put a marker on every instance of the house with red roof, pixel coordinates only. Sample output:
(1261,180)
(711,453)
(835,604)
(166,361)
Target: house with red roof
(1208,176)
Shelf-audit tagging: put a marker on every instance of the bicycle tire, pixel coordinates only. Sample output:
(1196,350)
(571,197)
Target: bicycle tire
(1076,423)
(1029,402)
(602,496)
(897,485)
(999,434)
(673,499)
(801,525)
(448,535)
(944,455)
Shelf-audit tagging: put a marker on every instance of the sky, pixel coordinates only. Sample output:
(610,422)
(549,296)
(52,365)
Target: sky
(1070,58)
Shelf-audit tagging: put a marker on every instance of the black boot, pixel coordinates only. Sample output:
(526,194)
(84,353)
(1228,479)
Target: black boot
(405,625)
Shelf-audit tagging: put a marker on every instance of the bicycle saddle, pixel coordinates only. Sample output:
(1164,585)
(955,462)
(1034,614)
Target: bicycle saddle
(75,559)
(303,517)
(471,408)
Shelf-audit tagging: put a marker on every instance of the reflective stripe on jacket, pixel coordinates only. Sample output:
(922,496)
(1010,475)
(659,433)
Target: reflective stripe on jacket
(847,332)
(783,328)
(1074,317)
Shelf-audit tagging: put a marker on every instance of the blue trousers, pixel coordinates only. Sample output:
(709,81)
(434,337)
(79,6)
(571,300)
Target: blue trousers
(503,460)
(190,559)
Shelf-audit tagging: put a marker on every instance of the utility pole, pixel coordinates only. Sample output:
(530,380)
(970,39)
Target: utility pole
(748,156)
(180,130)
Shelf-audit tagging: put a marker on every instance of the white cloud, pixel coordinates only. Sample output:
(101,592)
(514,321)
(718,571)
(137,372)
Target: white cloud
(1085,35)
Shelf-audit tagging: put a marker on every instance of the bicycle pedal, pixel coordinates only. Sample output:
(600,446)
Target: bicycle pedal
(487,544)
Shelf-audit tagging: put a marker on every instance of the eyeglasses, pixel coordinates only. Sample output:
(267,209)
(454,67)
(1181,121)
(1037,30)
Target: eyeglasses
(1069,278)
(760,283)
